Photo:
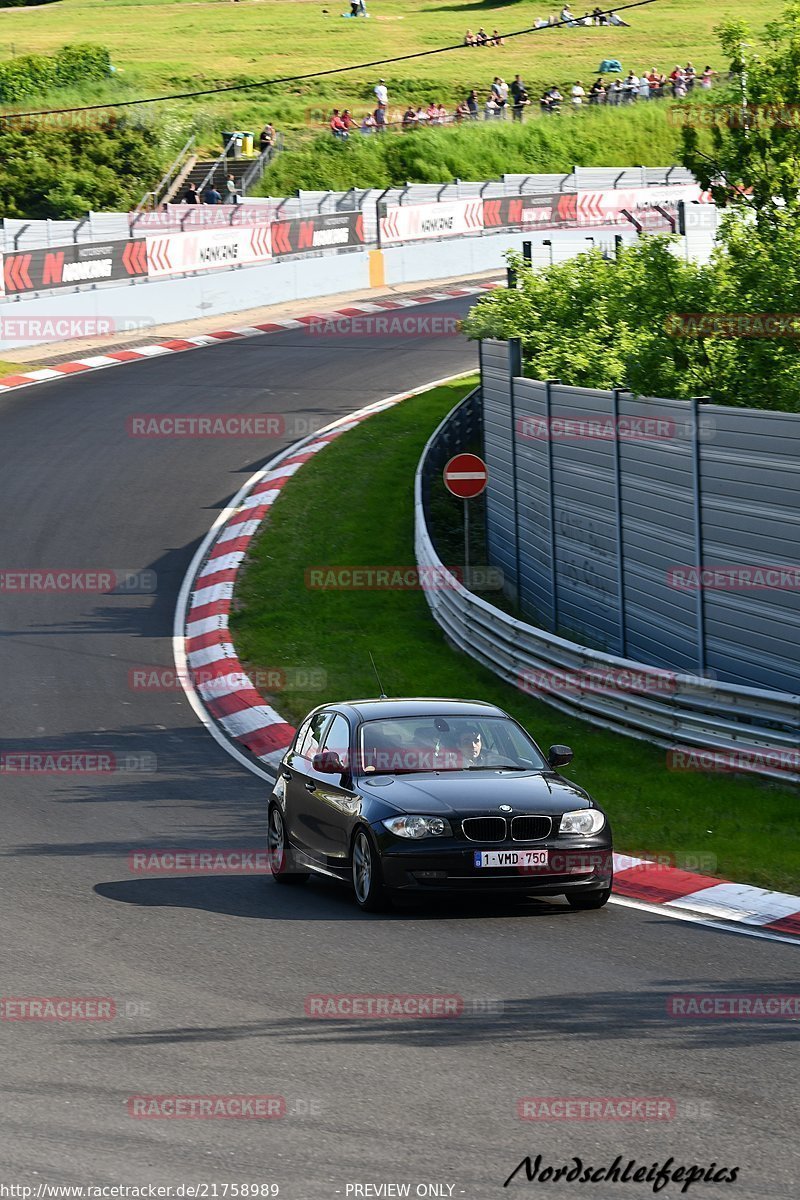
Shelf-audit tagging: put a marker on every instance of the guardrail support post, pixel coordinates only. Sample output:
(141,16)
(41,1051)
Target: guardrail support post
(514,369)
(548,403)
(623,639)
(697,497)
(527,253)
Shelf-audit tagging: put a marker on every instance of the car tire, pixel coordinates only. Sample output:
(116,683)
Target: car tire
(588,900)
(279,850)
(365,874)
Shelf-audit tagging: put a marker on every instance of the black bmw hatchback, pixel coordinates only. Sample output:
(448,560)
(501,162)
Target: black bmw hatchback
(414,796)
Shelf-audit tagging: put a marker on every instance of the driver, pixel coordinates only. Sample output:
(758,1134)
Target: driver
(471,745)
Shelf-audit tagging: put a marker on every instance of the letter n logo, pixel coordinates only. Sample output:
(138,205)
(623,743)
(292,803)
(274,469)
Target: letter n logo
(53,267)
(306,235)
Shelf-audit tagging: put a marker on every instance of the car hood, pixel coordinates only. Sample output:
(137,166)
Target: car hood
(477,792)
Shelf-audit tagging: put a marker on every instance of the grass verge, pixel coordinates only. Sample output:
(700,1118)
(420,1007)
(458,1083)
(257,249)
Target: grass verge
(352,505)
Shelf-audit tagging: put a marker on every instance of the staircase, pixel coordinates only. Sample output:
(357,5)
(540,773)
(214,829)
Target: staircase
(219,173)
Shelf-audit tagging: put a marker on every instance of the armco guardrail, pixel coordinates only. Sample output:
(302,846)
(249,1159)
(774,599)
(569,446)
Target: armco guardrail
(756,728)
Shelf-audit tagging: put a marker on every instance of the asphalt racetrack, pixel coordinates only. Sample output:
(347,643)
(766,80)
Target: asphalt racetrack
(210,975)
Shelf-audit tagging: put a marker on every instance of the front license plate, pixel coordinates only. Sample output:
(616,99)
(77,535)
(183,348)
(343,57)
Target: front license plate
(510,858)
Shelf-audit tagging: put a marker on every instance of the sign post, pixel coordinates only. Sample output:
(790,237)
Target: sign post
(465,476)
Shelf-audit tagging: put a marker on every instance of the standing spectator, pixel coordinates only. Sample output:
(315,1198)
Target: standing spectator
(517,86)
(231,190)
(644,87)
(521,101)
(266,138)
(347,120)
(462,113)
(381,92)
(368,124)
(597,92)
(615,91)
(706,77)
(689,76)
(630,92)
(433,113)
(380,118)
(555,98)
(577,93)
(472,105)
(490,109)
(190,196)
(211,195)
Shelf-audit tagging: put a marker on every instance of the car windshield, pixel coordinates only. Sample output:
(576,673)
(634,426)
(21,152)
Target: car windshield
(402,745)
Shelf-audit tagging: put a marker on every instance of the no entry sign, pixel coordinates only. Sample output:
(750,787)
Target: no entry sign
(465,476)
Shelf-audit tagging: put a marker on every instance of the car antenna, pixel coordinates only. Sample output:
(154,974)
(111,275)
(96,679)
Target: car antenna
(383,695)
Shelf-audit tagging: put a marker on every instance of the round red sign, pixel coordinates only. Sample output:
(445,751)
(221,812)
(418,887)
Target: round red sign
(465,475)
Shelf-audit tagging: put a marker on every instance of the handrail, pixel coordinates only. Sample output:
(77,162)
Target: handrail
(221,160)
(165,182)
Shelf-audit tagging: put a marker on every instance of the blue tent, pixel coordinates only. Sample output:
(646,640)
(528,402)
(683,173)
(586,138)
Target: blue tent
(609,65)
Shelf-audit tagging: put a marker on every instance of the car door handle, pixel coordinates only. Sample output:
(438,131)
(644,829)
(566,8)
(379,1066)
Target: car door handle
(286,774)
(311,787)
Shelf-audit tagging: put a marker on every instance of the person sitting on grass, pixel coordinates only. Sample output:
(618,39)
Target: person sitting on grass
(567,17)
(613,19)
(469,38)
(481,37)
(496,39)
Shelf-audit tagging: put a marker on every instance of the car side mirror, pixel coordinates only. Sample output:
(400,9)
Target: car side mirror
(559,756)
(327,762)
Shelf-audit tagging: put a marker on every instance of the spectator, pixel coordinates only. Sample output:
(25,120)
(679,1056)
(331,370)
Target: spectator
(354,8)
(462,112)
(368,124)
(266,138)
(422,117)
(490,109)
(433,113)
(481,37)
(469,38)
(190,196)
(362,8)
(472,105)
(380,118)
(577,93)
(231,190)
(496,39)
(599,16)
(586,19)
(517,86)
(211,195)
(615,91)
(613,19)
(555,98)
(337,125)
(348,121)
(410,118)
(644,87)
(630,88)
(597,92)
(706,77)
(381,92)
(689,76)
(521,101)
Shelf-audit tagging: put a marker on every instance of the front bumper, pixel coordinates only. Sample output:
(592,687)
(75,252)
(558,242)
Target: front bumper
(447,864)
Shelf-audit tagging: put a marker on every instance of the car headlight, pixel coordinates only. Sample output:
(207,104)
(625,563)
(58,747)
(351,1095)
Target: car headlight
(418,827)
(583,821)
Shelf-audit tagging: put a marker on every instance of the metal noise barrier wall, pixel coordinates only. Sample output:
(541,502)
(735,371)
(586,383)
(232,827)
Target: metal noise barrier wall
(689,711)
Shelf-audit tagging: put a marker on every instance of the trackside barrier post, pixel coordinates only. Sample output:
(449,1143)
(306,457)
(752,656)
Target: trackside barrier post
(623,649)
(697,497)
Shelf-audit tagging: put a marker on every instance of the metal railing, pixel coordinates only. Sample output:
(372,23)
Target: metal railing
(694,712)
(153,198)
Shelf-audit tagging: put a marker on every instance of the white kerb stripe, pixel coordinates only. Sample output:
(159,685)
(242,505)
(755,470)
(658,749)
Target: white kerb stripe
(237,724)
(224,685)
(245,529)
(209,595)
(624,862)
(739,901)
(207,625)
(203,658)
(222,562)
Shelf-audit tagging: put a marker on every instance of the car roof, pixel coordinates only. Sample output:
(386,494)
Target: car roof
(422,706)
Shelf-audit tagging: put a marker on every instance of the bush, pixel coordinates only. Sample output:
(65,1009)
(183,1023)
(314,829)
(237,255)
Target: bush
(599,324)
(34,74)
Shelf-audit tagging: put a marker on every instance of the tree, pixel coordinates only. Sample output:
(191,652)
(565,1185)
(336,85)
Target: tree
(755,136)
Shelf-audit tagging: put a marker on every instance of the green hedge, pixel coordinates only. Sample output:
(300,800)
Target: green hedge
(34,74)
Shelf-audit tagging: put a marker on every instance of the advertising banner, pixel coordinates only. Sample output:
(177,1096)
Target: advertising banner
(416,222)
(207,250)
(69,266)
(325,231)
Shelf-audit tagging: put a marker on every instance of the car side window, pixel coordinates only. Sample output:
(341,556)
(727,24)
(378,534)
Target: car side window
(337,738)
(300,737)
(311,742)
